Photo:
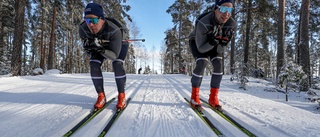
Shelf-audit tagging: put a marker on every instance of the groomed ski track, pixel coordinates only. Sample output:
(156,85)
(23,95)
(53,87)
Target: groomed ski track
(153,101)
(157,108)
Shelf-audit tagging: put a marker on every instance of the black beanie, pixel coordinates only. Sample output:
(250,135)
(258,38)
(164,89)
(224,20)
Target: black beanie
(95,9)
(220,2)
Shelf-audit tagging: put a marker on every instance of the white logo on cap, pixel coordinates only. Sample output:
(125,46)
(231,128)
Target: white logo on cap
(87,9)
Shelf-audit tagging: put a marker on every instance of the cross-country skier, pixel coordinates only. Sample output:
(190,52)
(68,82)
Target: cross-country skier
(102,39)
(212,33)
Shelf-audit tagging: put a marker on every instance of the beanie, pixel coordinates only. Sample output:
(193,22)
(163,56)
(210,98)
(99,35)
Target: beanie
(95,9)
(220,2)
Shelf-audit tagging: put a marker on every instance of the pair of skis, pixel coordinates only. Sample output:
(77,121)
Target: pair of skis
(93,114)
(223,115)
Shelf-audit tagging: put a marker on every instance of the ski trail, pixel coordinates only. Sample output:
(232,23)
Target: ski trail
(37,107)
(244,119)
(224,126)
(157,107)
(96,125)
(254,121)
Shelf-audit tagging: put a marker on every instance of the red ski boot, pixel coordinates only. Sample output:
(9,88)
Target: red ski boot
(121,101)
(195,100)
(213,99)
(101,101)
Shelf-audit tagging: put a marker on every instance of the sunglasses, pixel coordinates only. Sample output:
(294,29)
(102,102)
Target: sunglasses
(92,20)
(224,9)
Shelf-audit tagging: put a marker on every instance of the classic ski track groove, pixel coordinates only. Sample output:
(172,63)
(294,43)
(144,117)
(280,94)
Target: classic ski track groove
(144,112)
(226,128)
(110,111)
(281,131)
(36,109)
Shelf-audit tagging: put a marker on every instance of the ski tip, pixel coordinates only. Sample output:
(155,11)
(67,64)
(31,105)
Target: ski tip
(68,134)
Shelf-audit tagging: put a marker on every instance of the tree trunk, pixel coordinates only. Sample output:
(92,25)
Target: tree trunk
(51,56)
(281,28)
(42,46)
(247,42)
(19,7)
(304,41)
(1,32)
(318,67)
(297,42)
(24,59)
(233,41)
(266,53)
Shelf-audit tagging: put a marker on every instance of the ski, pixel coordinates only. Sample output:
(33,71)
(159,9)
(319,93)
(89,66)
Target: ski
(113,119)
(230,120)
(204,118)
(93,113)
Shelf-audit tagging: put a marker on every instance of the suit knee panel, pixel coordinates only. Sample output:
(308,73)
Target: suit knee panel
(118,68)
(201,63)
(95,68)
(217,65)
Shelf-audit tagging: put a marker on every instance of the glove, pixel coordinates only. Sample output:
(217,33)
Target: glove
(215,40)
(87,45)
(92,46)
(223,41)
(211,36)
(219,36)
(226,36)
(211,39)
(98,47)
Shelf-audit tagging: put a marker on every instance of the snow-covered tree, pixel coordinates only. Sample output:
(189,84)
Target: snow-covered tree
(293,76)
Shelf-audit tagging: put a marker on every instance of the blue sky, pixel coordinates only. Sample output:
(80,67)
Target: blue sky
(151,18)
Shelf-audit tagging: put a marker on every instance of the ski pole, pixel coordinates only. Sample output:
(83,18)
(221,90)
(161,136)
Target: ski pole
(126,40)
(133,40)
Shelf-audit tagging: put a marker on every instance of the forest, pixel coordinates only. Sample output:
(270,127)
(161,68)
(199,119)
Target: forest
(275,39)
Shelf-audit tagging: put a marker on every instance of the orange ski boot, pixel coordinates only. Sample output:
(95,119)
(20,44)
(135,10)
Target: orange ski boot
(195,100)
(101,101)
(213,99)
(121,101)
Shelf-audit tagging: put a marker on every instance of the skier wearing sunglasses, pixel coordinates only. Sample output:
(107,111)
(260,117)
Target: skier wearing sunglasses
(102,39)
(212,33)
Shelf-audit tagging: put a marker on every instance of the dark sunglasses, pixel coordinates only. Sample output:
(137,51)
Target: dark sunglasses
(92,20)
(224,9)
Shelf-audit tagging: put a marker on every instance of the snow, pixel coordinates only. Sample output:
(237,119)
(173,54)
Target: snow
(50,105)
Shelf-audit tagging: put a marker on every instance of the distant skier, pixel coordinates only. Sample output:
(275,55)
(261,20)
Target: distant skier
(213,31)
(139,71)
(102,39)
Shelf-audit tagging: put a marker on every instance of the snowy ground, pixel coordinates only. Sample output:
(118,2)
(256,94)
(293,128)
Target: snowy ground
(50,105)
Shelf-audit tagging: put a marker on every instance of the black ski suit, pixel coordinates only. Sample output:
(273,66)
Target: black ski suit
(110,37)
(204,51)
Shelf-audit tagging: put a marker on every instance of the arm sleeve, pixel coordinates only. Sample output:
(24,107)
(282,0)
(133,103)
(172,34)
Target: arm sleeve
(83,32)
(201,36)
(116,42)
(113,49)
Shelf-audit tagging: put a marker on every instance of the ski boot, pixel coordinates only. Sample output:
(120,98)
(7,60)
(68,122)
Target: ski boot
(121,101)
(195,100)
(213,99)
(101,101)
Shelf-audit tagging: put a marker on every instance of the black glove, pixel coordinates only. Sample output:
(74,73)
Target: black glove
(211,39)
(219,36)
(226,35)
(223,41)
(92,46)
(87,45)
